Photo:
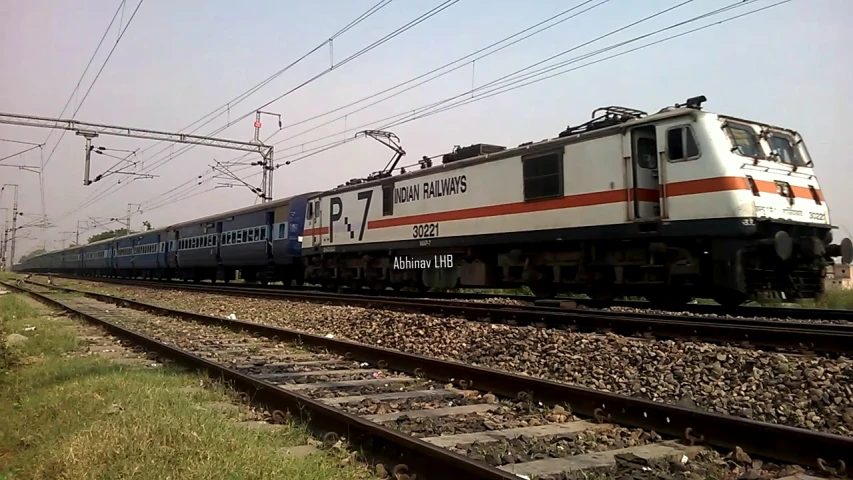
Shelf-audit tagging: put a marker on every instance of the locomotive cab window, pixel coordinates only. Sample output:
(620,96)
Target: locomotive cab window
(282,231)
(785,149)
(744,141)
(681,144)
(543,176)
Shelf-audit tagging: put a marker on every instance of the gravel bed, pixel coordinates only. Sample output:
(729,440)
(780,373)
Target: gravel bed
(526,449)
(650,311)
(812,392)
(371,389)
(506,415)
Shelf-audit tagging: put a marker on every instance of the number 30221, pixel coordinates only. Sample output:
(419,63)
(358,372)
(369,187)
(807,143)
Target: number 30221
(426,230)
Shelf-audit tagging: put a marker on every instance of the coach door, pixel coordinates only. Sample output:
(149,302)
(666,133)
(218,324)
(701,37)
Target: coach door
(645,192)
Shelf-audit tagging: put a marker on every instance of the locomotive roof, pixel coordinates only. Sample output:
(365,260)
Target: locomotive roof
(526,148)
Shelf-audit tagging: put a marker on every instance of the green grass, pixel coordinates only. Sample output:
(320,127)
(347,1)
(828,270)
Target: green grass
(68,416)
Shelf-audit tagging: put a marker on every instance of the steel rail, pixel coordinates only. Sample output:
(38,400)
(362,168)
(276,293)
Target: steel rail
(372,437)
(800,336)
(768,440)
(793,313)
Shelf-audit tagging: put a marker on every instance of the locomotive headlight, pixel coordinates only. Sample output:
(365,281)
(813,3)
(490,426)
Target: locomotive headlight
(299,238)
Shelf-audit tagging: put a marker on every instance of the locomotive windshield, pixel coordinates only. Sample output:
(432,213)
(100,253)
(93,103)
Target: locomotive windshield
(784,147)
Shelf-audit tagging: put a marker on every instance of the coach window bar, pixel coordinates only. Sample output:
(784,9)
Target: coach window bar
(543,176)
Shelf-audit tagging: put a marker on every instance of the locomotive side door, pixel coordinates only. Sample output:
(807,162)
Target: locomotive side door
(644,166)
(316,222)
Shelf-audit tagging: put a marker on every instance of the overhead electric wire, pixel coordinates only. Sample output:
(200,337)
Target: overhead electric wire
(661,12)
(326,147)
(422,18)
(537,73)
(98,75)
(102,194)
(243,96)
(436,70)
(86,70)
(19,153)
(508,76)
(503,89)
(434,11)
(564,12)
(739,4)
(21,142)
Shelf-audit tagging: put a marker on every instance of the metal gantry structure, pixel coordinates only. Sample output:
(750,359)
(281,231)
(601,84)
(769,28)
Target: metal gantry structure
(92,130)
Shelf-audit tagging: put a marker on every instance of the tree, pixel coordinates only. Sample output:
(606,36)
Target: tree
(146,226)
(108,234)
(32,254)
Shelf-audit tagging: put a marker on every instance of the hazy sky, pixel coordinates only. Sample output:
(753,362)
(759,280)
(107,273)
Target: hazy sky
(180,60)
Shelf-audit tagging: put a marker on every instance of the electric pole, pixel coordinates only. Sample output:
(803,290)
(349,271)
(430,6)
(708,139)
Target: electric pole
(4,238)
(14,221)
(64,237)
(127,221)
(77,237)
(267,162)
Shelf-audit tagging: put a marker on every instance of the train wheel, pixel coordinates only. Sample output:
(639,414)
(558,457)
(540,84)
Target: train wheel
(730,298)
(544,291)
(603,296)
(670,300)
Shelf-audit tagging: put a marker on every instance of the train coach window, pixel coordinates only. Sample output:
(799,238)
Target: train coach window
(282,230)
(543,176)
(744,141)
(681,144)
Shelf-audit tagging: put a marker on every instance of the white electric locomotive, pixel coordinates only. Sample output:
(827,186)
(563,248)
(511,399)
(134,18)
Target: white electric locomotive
(678,204)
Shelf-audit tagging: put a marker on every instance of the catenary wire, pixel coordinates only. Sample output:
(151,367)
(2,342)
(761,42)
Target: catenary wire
(92,85)
(489,94)
(323,148)
(434,11)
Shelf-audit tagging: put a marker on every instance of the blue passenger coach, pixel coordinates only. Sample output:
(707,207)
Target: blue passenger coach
(263,242)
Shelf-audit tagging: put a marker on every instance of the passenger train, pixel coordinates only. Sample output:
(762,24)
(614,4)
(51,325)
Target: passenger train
(677,204)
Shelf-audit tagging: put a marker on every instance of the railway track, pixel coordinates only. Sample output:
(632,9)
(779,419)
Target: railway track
(443,419)
(789,313)
(748,332)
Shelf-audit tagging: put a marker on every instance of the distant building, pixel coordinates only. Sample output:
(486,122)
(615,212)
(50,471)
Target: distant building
(838,276)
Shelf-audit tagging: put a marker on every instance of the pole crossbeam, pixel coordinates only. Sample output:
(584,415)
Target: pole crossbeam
(76,125)
(92,130)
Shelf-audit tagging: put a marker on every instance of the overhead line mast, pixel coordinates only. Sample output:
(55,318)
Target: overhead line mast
(92,130)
